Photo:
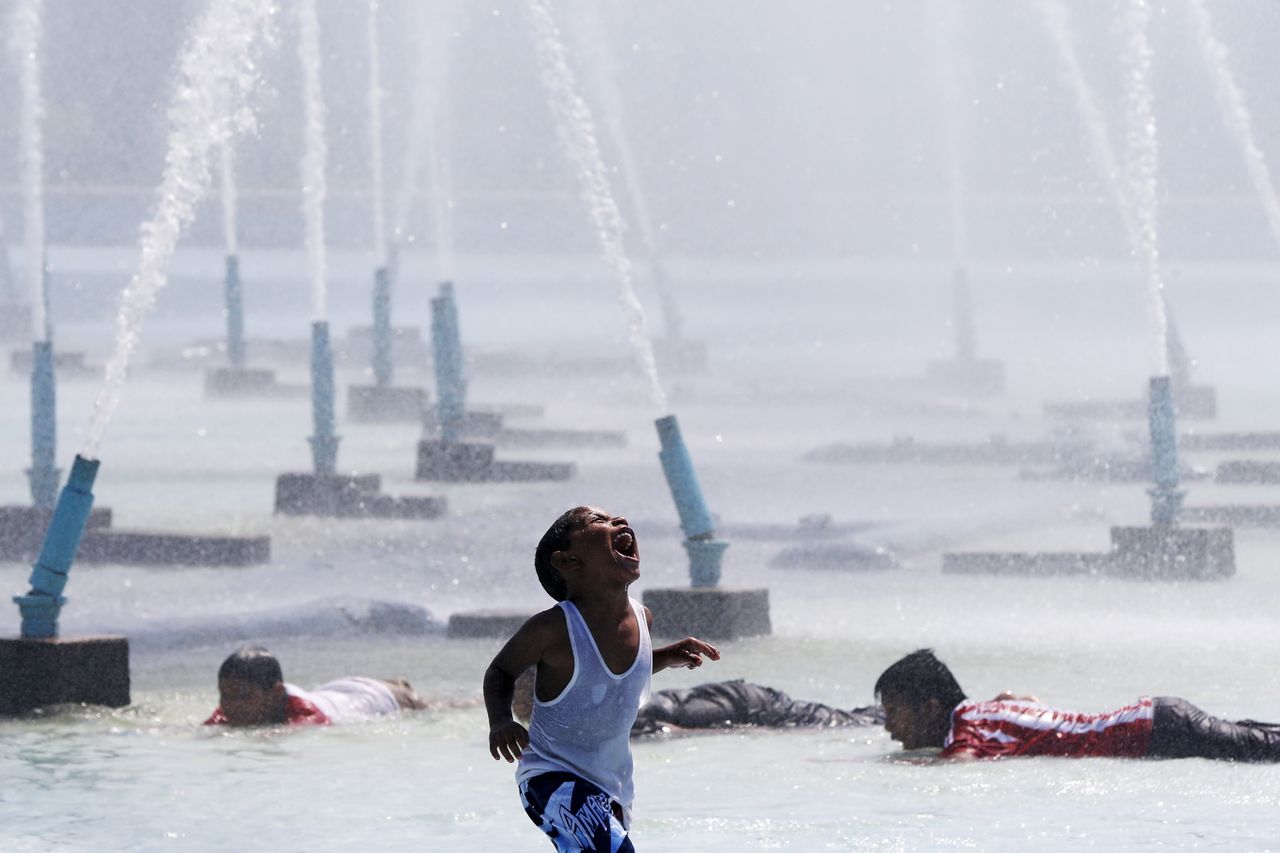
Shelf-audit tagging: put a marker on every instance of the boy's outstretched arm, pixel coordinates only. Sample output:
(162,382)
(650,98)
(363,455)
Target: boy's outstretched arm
(686,653)
(507,738)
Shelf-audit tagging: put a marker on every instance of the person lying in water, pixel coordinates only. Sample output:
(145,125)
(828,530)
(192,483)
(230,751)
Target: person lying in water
(252,692)
(925,708)
(722,705)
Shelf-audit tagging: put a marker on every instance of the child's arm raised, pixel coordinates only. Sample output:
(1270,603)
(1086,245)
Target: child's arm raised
(507,738)
(686,653)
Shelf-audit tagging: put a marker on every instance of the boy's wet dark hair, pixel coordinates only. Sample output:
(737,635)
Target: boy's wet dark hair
(917,678)
(252,665)
(557,539)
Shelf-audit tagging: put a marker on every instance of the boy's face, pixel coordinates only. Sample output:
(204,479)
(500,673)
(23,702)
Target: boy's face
(603,551)
(914,726)
(245,704)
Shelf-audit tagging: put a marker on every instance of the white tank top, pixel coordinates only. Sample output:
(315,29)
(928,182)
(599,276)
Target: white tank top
(586,730)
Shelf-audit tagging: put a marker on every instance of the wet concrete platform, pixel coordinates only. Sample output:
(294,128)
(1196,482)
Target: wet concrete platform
(1143,553)
(709,613)
(248,383)
(470,462)
(387,403)
(349,496)
(59,671)
(486,623)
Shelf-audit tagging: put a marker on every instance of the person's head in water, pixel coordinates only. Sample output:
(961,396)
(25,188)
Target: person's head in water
(251,688)
(586,549)
(918,694)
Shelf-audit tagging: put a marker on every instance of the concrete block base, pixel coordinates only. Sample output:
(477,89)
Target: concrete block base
(476,423)
(979,377)
(1249,471)
(1237,515)
(559,438)
(349,496)
(254,382)
(67,365)
(1230,441)
(386,403)
(1142,553)
(713,613)
(1193,402)
(1049,564)
(22,529)
(141,548)
(39,673)
(499,624)
(1173,552)
(465,462)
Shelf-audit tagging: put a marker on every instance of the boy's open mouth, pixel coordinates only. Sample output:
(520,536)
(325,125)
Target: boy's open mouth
(624,542)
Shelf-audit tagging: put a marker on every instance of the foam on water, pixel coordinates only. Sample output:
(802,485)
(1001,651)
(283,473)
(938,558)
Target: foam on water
(315,154)
(1235,112)
(1144,152)
(578,134)
(24,41)
(216,74)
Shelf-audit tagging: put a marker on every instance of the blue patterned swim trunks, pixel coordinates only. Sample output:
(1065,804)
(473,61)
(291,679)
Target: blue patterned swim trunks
(577,816)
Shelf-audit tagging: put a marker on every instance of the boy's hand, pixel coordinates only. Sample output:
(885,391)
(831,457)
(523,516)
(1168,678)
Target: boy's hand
(509,739)
(686,654)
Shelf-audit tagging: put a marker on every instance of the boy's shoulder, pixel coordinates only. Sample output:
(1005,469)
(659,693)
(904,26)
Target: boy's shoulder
(551,620)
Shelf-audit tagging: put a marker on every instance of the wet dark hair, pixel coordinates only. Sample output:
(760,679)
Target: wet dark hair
(557,539)
(917,678)
(252,665)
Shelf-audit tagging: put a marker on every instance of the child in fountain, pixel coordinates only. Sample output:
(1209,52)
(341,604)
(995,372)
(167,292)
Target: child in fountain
(252,692)
(594,659)
(925,708)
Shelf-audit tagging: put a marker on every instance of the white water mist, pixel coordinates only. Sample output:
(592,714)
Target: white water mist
(1054,15)
(1143,168)
(217,72)
(314,155)
(428,132)
(1235,112)
(227,183)
(24,40)
(375,138)
(952,74)
(578,134)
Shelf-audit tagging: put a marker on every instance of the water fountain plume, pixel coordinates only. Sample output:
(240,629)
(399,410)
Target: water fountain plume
(315,155)
(1236,112)
(577,132)
(8,288)
(24,40)
(953,78)
(217,72)
(426,124)
(595,41)
(1053,14)
(1143,151)
(227,184)
(376,95)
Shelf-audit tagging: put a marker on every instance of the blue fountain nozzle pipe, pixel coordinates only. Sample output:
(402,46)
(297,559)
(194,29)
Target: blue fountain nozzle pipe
(43,474)
(1166,498)
(966,338)
(324,441)
(40,607)
(451,387)
(695,518)
(235,313)
(382,327)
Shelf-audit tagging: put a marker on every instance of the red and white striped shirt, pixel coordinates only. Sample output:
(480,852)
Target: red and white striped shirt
(1015,727)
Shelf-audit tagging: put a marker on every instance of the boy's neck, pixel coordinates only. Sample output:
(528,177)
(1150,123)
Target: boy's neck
(611,603)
